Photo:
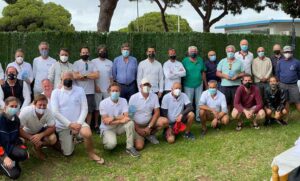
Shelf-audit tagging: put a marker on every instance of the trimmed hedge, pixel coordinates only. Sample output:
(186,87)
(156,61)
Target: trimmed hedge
(139,42)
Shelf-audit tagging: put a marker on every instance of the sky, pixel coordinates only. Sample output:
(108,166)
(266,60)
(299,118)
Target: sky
(85,14)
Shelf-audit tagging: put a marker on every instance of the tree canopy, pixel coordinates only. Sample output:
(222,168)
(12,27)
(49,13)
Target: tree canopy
(151,22)
(34,15)
(291,7)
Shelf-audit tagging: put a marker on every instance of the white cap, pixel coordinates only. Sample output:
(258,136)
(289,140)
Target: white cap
(145,81)
(287,49)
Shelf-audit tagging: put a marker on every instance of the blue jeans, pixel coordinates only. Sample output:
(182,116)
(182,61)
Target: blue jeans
(194,94)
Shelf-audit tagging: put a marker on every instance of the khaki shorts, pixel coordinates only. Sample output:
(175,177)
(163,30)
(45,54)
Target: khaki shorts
(66,140)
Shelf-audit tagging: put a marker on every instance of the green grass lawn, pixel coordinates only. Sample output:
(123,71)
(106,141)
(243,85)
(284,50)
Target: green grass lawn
(221,155)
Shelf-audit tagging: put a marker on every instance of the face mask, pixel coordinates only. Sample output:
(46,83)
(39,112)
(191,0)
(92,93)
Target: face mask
(230,55)
(125,53)
(146,89)
(11,76)
(12,111)
(277,52)
(212,91)
(274,86)
(212,58)
(172,57)
(261,54)
(40,111)
(64,59)
(44,53)
(244,48)
(68,83)
(102,55)
(19,60)
(151,55)
(84,57)
(248,85)
(193,55)
(177,92)
(114,96)
(287,55)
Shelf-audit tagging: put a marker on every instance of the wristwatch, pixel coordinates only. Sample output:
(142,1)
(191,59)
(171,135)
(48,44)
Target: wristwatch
(149,126)
(85,76)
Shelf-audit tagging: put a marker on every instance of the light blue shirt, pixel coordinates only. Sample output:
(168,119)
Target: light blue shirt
(125,73)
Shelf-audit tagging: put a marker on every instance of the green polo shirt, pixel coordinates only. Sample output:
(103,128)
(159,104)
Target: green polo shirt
(237,68)
(193,78)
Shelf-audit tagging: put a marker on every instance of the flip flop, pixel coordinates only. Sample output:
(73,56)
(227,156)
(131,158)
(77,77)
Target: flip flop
(100,161)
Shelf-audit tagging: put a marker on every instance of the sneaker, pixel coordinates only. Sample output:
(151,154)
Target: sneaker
(268,122)
(239,127)
(132,151)
(256,126)
(152,139)
(282,122)
(189,136)
(203,133)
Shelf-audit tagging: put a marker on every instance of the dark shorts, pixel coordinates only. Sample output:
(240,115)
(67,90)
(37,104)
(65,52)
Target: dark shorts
(292,91)
(229,92)
(91,102)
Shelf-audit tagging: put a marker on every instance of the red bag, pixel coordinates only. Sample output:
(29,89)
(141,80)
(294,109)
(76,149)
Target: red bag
(179,127)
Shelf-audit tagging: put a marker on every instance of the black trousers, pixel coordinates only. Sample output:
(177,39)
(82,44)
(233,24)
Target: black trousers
(17,154)
(128,90)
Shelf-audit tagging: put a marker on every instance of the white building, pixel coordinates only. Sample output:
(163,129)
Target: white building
(267,27)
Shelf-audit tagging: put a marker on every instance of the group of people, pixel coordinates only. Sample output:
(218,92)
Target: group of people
(137,99)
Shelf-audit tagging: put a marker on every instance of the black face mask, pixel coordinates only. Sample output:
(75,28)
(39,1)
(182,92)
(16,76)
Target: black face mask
(151,55)
(248,85)
(193,55)
(172,57)
(274,86)
(68,83)
(102,55)
(277,52)
(11,76)
(84,57)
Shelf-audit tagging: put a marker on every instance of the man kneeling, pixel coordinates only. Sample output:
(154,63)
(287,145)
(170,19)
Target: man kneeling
(276,101)
(145,108)
(115,121)
(248,101)
(177,107)
(38,124)
(213,107)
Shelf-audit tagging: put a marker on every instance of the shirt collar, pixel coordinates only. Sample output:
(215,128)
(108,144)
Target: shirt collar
(142,97)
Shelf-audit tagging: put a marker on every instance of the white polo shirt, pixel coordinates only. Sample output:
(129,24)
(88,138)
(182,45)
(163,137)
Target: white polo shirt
(104,67)
(153,72)
(32,124)
(144,107)
(174,106)
(80,66)
(247,61)
(69,106)
(173,72)
(40,71)
(24,67)
(218,102)
(109,108)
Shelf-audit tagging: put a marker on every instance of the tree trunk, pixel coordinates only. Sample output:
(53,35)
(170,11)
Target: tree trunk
(164,22)
(206,26)
(107,8)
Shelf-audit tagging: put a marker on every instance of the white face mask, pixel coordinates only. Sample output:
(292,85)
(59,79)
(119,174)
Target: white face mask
(146,89)
(40,111)
(19,60)
(287,55)
(64,58)
(176,92)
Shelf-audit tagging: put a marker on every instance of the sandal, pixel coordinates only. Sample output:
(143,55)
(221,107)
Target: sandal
(239,127)
(256,126)
(100,161)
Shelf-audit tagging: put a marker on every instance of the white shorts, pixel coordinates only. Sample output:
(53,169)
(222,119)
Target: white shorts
(99,97)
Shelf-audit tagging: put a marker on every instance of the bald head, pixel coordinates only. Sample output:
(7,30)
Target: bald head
(276,47)
(244,42)
(67,75)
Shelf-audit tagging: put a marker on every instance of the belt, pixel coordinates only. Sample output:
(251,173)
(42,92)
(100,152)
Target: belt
(130,84)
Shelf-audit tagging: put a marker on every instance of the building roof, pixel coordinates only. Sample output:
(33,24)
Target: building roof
(262,22)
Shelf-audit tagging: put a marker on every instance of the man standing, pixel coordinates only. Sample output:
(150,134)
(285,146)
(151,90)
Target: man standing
(288,73)
(115,121)
(104,67)
(173,70)
(38,125)
(151,69)
(230,70)
(144,106)
(248,102)
(69,106)
(195,77)
(24,69)
(276,57)
(47,90)
(177,107)
(245,56)
(85,74)
(213,107)
(211,67)
(15,87)
(261,70)
(125,72)
(41,66)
